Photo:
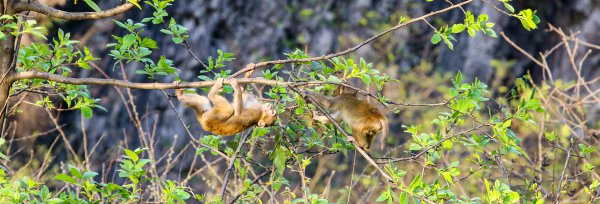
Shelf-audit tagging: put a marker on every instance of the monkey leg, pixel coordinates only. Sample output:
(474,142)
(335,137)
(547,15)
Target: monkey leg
(195,101)
(221,110)
(322,100)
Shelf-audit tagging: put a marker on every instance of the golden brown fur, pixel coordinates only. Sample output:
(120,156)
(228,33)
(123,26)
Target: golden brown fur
(224,118)
(364,119)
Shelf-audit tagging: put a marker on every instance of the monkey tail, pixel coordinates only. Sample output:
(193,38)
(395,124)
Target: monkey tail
(384,131)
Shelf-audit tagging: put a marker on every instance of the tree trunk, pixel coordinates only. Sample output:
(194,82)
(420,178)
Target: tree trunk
(6,58)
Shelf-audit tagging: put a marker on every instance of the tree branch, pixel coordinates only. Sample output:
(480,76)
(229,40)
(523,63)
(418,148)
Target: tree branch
(352,49)
(52,12)
(132,85)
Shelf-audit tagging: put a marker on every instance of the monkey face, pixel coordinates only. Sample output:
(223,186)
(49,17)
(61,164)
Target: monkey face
(268,116)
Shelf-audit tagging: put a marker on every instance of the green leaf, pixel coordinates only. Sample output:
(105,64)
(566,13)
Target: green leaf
(143,72)
(279,160)
(449,44)
(65,178)
(453,92)
(536,19)
(299,200)
(383,197)
(181,194)
(299,111)
(525,25)
(415,182)
(471,31)
(447,177)
(509,7)
(414,147)
(86,111)
(3,156)
(74,171)
(54,200)
(513,197)
(132,155)
(366,79)
(490,32)
(177,40)
(135,2)
(128,40)
(436,38)
(457,28)
(89,174)
(458,78)
(93,5)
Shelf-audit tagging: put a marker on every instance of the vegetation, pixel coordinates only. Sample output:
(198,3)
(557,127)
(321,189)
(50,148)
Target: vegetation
(479,143)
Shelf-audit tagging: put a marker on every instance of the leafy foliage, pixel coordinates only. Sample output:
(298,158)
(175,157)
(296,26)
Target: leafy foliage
(466,137)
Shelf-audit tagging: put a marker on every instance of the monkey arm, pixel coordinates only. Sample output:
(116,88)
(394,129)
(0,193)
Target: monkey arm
(216,88)
(222,110)
(237,97)
(323,100)
(323,119)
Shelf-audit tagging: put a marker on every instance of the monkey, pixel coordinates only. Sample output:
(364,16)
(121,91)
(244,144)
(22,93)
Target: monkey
(223,118)
(364,119)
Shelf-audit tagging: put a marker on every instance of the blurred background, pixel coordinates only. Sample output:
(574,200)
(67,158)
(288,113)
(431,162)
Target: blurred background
(259,30)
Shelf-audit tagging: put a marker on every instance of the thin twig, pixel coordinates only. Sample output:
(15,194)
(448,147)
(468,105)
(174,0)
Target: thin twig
(232,161)
(562,175)
(253,182)
(63,135)
(521,50)
(416,156)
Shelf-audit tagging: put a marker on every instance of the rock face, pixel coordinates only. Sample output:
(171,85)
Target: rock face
(256,30)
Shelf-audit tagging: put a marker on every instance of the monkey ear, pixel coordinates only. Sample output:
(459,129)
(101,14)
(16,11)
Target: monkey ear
(261,123)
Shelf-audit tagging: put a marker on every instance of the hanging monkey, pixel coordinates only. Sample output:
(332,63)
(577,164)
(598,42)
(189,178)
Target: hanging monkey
(364,119)
(223,118)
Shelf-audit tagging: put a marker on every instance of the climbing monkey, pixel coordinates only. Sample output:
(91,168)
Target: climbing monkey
(365,120)
(223,118)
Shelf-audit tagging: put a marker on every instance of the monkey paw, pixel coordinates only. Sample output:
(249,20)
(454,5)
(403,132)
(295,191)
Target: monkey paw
(219,83)
(178,91)
(351,139)
(234,82)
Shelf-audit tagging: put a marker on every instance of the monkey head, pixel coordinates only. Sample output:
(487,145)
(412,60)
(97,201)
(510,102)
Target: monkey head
(268,115)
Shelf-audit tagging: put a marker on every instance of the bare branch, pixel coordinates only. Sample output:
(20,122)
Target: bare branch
(127,84)
(521,50)
(55,13)
(562,175)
